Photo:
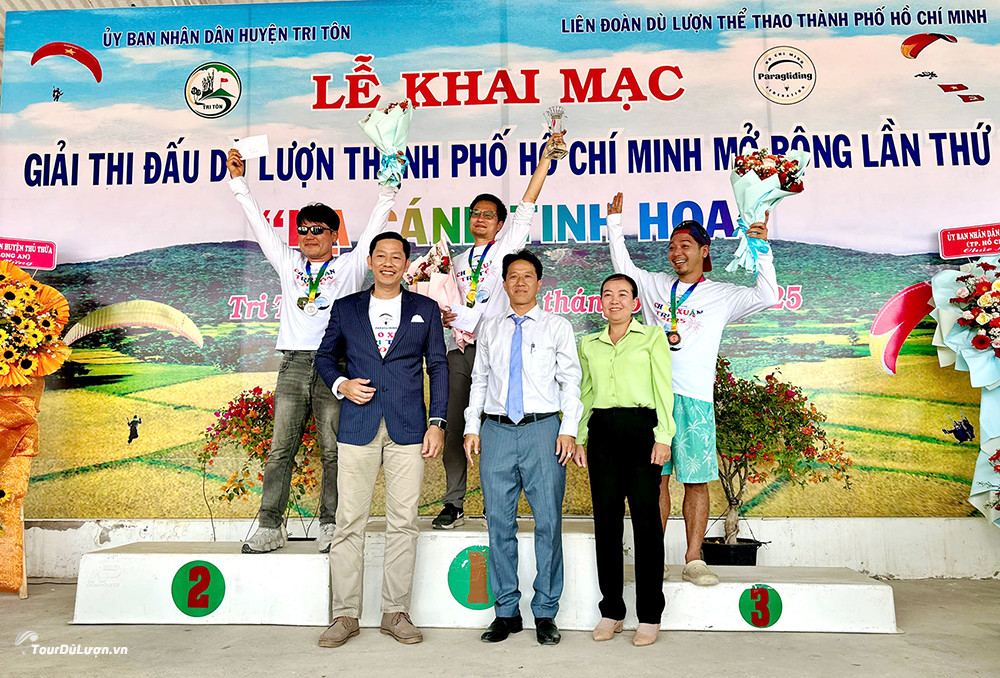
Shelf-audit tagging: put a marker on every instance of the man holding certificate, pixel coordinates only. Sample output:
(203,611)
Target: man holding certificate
(693,311)
(311,280)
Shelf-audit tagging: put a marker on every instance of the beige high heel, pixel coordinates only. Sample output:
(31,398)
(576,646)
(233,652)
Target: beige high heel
(645,635)
(607,628)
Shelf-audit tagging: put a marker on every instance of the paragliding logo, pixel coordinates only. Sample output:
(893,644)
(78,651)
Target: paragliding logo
(915,44)
(784,75)
(75,52)
(212,90)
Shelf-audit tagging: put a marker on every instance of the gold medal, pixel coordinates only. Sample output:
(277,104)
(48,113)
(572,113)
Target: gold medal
(470,298)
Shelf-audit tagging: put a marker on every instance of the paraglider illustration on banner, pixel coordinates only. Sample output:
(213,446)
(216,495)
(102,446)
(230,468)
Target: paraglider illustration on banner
(915,44)
(72,51)
(140,313)
(895,321)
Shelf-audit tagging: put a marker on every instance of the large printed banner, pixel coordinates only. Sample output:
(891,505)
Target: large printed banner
(114,127)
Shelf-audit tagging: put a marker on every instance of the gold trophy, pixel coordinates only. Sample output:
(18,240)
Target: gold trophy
(554,117)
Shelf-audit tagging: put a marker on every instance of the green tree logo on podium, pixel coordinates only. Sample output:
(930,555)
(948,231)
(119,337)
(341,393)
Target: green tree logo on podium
(468,578)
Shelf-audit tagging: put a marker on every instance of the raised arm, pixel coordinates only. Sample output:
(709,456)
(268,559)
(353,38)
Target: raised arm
(353,263)
(744,301)
(542,171)
(271,243)
(514,234)
(620,259)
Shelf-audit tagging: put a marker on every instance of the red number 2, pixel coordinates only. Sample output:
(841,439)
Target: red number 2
(761,615)
(197,596)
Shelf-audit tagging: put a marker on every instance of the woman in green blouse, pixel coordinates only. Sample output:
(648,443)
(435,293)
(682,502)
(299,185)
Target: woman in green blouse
(627,420)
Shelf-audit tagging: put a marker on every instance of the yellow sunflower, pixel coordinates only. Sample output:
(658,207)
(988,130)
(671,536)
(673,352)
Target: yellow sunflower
(9,355)
(4,369)
(8,293)
(34,338)
(23,297)
(28,364)
(4,337)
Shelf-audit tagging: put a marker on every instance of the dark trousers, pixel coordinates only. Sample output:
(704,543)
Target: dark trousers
(455,464)
(300,391)
(618,453)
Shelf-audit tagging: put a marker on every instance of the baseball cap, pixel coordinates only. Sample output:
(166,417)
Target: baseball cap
(700,236)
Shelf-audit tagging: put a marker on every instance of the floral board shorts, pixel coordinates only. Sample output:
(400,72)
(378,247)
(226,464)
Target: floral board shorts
(693,458)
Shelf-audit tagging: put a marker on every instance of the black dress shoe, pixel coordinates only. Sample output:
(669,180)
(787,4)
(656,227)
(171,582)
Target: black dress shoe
(501,628)
(546,631)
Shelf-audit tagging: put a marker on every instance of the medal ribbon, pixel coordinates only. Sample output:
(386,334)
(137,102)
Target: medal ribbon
(674,304)
(475,273)
(314,284)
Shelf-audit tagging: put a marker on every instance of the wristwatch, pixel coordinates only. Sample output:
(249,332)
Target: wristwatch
(439,422)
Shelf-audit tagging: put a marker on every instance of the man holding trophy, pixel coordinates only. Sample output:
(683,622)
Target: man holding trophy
(481,285)
(693,311)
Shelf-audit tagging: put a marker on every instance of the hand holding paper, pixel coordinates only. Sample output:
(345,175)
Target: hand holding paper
(252,147)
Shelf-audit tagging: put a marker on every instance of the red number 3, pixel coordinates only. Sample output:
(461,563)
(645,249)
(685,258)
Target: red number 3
(761,615)
(197,596)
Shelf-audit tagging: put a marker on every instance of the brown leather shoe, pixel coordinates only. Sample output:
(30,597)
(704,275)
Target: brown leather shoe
(399,626)
(339,632)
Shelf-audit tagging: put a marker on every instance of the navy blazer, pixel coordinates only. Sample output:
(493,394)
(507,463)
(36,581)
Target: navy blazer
(398,378)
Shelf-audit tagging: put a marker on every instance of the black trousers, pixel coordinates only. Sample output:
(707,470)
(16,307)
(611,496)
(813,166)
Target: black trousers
(618,452)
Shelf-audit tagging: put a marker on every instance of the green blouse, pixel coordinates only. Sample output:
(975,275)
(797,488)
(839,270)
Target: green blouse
(635,372)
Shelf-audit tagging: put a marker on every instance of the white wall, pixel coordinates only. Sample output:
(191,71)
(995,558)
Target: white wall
(903,548)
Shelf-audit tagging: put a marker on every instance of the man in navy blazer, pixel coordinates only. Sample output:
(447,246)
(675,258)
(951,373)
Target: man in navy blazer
(386,334)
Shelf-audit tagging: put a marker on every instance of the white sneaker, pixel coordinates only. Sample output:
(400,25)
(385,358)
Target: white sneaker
(325,537)
(697,573)
(265,539)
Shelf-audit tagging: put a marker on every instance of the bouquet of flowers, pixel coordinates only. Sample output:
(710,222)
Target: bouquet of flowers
(433,275)
(979,299)
(967,309)
(248,423)
(388,128)
(32,316)
(760,181)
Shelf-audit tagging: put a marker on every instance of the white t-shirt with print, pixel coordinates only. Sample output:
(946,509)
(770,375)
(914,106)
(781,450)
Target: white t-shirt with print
(384,315)
(491,299)
(700,319)
(297,330)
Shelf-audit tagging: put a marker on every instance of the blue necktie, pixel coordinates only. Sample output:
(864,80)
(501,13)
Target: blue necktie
(515,397)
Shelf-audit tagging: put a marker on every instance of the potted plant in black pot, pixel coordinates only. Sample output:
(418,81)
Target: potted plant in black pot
(767,430)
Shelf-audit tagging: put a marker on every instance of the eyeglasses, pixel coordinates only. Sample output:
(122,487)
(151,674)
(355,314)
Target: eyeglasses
(315,230)
(488,214)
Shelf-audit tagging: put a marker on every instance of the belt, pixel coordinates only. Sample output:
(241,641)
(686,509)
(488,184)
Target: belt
(528,418)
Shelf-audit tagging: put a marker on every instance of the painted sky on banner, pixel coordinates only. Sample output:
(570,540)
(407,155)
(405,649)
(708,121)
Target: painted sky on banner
(862,80)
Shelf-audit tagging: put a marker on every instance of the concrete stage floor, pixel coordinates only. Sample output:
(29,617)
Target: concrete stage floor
(950,628)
